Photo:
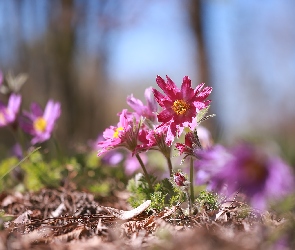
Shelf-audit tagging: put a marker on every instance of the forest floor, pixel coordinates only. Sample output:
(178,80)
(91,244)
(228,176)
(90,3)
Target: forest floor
(70,219)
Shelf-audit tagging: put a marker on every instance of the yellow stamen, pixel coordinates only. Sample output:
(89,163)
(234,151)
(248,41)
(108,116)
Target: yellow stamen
(40,124)
(180,107)
(116,133)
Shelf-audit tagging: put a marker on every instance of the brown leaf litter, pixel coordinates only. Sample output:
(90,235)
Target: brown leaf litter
(66,219)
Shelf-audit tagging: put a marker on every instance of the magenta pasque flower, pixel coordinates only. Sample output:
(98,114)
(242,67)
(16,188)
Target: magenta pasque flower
(125,134)
(191,144)
(194,141)
(8,113)
(40,124)
(161,138)
(180,179)
(180,105)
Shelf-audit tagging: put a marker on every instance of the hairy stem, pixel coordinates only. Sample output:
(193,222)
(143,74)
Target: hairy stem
(145,172)
(169,166)
(191,176)
(58,150)
(189,201)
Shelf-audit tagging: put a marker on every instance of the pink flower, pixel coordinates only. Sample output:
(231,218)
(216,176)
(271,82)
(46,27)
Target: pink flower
(112,158)
(204,137)
(125,134)
(157,139)
(180,179)
(8,113)
(148,111)
(191,144)
(250,170)
(194,141)
(131,164)
(180,105)
(40,124)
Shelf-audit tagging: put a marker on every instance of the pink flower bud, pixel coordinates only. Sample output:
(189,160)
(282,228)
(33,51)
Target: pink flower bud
(179,179)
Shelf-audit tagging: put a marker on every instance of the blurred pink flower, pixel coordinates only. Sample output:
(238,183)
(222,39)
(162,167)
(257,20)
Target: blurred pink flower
(40,124)
(131,164)
(180,105)
(17,151)
(113,157)
(148,111)
(204,137)
(250,170)
(8,113)
(210,162)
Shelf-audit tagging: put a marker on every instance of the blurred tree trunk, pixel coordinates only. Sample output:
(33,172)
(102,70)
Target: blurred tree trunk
(82,90)
(196,11)
(196,17)
(62,44)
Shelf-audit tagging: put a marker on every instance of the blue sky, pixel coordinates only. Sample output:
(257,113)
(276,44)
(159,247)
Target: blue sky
(251,48)
(159,43)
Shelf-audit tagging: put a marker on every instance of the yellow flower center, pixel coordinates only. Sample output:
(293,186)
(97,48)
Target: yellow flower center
(180,107)
(40,124)
(117,131)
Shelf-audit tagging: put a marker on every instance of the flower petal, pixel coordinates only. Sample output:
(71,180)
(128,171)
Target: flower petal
(165,115)
(186,89)
(169,88)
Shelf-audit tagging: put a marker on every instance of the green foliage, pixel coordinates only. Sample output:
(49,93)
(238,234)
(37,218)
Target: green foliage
(164,193)
(6,167)
(10,165)
(207,200)
(39,173)
(84,171)
(157,200)
(4,218)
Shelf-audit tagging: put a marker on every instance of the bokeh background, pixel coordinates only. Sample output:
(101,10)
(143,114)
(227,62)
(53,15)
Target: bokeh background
(90,55)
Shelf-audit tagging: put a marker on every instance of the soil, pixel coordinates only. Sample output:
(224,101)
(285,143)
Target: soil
(69,219)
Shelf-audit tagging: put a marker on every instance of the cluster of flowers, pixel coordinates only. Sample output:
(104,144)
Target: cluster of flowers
(146,129)
(244,168)
(37,123)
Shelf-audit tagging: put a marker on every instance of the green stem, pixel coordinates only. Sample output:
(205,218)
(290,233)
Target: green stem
(191,176)
(22,141)
(20,162)
(19,138)
(145,172)
(189,201)
(58,150)
(169,166)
